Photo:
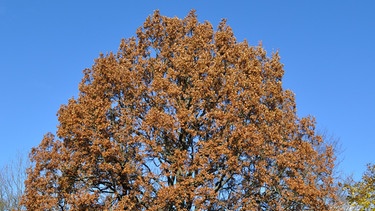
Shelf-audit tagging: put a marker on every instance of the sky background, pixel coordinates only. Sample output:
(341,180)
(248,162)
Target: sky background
(327,48)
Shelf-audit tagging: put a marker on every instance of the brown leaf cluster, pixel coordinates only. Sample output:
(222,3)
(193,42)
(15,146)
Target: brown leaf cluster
(182,117)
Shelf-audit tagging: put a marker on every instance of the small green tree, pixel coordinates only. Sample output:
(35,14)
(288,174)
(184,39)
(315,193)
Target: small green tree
(362,194)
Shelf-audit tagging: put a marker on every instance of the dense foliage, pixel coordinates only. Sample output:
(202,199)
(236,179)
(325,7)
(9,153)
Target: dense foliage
(182,117)
(361,194)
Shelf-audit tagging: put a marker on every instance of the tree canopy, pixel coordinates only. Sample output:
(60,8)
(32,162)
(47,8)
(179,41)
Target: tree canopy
(361,194)
(12,177)
(182,117)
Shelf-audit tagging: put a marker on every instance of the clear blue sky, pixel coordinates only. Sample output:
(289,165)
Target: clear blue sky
(327,47)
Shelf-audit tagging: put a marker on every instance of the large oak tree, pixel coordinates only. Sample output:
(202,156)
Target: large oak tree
(182,117)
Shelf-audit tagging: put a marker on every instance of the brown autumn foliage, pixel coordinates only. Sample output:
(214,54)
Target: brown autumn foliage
(182,117)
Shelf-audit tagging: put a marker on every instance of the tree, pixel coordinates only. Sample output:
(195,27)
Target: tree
(12,177)
(361,194)
(182,117)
